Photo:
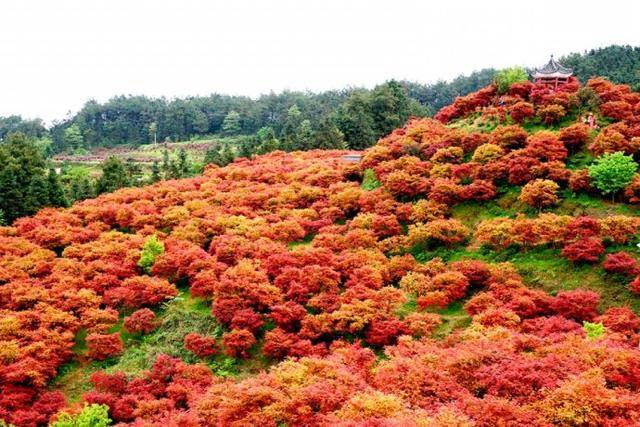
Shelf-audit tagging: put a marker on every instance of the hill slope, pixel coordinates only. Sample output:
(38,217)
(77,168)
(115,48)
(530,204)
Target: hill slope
(467,272)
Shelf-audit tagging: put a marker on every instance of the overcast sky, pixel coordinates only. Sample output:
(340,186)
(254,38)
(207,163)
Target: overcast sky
(55,55)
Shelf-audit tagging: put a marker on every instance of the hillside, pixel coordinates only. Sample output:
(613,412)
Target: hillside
(479,268)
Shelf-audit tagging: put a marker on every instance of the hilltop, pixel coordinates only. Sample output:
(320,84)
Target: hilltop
(478,268)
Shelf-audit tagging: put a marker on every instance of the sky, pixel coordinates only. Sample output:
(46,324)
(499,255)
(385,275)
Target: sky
(57,54)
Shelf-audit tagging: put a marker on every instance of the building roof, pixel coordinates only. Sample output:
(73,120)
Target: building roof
(552,69)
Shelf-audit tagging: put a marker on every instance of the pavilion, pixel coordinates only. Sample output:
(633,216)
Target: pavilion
(552,74)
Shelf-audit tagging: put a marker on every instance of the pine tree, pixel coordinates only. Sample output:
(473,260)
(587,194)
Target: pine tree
(231,124)
(212,156)
(57,196)
(11,201)
(184,166)
(305,136)
(114,176)
(166,164)
(36,195)
(328,136)
(227,154)
(290,140)
(155,172)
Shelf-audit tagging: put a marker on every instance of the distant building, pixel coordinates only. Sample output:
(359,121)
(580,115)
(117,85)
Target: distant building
(352,158)
(552,74)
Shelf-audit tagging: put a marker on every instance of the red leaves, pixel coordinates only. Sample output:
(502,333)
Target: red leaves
(540,193)
(621,263)
(577,304)
(574,136)
(586,250)
(200,345)
(238,342)
(139,291)
(143,320)
(382,332)
(103,346)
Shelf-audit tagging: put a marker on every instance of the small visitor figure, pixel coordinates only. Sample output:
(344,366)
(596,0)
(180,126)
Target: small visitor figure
(591,120)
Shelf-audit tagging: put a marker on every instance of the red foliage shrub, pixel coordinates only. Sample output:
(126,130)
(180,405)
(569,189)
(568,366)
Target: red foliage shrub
(143,320)
(238,342)
(575,136)
(577,304)
(200,345)
(545,146)
(521,111)
(288,315)
(382,332)
(551,114)
(586,249)
(621,263)
(509,137)
(103,346)
(247,319)
(539,193)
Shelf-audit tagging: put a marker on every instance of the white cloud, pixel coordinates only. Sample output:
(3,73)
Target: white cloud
(55,55)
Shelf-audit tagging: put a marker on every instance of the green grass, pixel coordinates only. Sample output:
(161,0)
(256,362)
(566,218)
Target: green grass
(453,317)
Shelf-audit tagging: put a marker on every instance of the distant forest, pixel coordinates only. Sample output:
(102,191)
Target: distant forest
(353,118)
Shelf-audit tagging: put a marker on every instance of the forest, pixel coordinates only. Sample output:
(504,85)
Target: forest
(361,115)
(475,268)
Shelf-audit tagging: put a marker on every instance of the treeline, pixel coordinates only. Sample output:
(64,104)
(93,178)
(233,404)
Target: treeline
(360,115)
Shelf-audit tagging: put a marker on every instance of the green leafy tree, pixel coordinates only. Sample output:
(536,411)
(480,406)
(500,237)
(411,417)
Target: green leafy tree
(114,176)
(231,123)
(593,330)
(267,141)
(73,137)
(91,416)
(612,172)
(354,120)
(370,180)
(508,76)
(152,249)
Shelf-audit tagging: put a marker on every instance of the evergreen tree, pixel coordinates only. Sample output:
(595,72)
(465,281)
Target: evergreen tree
(212,156)
(389,106)
(290,140)
(227,154)
(184,165)
(36,195)
(11,201)
(266,140)
(73,137)
(305,136)
(56,193)
(174,170)
(114,176)
(155,172)
(166,164)
(354,120)
(328,136)
(231,123)
(86,189)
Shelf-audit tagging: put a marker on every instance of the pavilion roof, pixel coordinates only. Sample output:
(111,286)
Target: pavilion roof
(552,69)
